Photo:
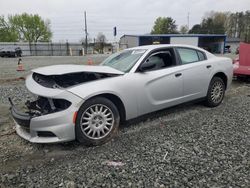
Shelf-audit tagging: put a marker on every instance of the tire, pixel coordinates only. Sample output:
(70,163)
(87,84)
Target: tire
(97,115)
(216,92)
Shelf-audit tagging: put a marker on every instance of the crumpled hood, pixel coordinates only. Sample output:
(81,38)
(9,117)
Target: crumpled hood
(67,69)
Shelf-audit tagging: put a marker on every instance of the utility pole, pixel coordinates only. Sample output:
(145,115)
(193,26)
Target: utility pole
(188,21)
(86,33)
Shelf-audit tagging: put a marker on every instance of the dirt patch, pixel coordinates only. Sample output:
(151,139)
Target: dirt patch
(11,80)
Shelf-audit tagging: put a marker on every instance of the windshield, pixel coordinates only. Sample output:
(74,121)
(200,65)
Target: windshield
(123,61)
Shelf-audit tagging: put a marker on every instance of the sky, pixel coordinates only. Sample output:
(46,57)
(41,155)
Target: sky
(130,17)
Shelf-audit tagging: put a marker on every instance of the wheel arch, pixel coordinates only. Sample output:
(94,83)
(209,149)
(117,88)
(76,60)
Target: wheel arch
(117,102)
(223,76)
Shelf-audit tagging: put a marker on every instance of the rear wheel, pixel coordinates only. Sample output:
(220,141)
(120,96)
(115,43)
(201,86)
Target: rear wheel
(215,92)
(97,121)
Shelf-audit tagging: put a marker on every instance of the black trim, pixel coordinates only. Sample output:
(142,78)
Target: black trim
(22,119)
(45,134)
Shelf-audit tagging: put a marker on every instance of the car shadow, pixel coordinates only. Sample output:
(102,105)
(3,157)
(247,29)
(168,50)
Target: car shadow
(72,145)
(160,113)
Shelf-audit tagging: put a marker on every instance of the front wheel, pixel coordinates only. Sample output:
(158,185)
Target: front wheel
(97,121)
(215,92)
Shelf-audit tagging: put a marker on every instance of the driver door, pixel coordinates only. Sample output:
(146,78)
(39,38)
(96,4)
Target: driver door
(159,82)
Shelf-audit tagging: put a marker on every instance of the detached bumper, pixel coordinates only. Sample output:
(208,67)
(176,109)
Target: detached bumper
(23,119)
(49,128)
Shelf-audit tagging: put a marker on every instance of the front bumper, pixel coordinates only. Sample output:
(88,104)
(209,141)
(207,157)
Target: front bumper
(57,126)
(50,128)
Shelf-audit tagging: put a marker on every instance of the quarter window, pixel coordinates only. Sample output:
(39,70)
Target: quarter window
(201,55)
(188,55)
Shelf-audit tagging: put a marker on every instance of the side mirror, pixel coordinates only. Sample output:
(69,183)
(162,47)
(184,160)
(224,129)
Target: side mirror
(147,65)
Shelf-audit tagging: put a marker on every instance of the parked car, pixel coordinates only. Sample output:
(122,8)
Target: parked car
(88,103)
(227,49)
(242,62)
(11,52)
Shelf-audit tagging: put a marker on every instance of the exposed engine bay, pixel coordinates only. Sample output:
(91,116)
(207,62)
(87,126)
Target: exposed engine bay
(42,106)
(68,80)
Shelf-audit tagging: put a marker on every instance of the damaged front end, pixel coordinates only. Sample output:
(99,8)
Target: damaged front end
(51,116)
(40,107)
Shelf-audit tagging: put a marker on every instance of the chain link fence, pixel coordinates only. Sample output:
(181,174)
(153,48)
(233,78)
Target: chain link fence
(48,49)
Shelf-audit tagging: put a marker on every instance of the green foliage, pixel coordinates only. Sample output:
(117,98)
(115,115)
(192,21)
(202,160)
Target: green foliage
(196,29)
(7,33)
(238,25)
(31,28)
(24,27)
(164,25)
(213,23)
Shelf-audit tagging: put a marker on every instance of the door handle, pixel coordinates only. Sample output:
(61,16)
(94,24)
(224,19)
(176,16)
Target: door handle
(209,66)
(178,75)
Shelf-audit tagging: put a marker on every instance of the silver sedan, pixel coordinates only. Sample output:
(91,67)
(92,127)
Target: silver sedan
(87,103)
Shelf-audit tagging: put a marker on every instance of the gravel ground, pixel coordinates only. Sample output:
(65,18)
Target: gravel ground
(186,146)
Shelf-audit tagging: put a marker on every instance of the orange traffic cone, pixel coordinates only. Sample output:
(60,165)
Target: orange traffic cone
(90,62)
(20,65)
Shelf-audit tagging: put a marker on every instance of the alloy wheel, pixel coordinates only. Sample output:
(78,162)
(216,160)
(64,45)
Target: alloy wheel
(217,92)
(97,121)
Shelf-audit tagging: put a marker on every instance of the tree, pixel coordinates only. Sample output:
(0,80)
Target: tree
(7,33)
(164,25)
(212,23)
(196,29)
(215,23)
(184,29)
(31,28)
(100,42)
(238,25)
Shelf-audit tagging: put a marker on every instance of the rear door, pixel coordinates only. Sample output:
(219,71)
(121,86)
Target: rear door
(196,70)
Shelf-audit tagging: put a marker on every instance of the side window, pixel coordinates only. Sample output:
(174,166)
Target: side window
(188,55)
(159,60)
(201,55)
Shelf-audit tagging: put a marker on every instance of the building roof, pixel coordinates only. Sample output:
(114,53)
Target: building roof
(233,40)
(177,35)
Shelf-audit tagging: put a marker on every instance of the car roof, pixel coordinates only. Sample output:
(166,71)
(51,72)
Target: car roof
(156,46)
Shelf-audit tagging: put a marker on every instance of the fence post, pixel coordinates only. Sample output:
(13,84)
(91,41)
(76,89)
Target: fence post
(51,48)
(67,48)
(60,48)
(35,49)
(30,49)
